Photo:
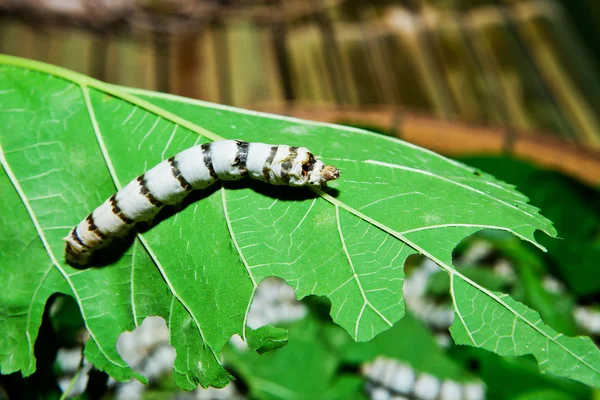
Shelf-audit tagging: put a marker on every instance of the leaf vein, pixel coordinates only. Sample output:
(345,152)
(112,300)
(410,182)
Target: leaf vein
(242,258)
(362,291)
(420,171)
(53,259)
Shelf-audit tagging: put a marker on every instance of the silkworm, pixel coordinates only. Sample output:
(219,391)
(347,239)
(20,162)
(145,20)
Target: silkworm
(193,169)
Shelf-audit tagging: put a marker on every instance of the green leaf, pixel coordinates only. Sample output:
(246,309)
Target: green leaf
(439,283)
(576,216)
(306,368)
(496,322)
(544,395)
(512,377)
(68,141)
(266,338)
(557,309)
(528,265)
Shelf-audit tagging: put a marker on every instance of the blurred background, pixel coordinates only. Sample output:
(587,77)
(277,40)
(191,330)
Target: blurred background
(458,76)
(508,86)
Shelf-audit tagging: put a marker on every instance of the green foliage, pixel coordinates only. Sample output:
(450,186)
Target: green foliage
(511,377)
(68,141)
(495,324)
(307,367)
(526,285)
(319,352)
(576,214)
(412,343)
(439,285)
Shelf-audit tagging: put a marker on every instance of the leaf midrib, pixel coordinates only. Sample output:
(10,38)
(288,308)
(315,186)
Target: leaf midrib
(452,272)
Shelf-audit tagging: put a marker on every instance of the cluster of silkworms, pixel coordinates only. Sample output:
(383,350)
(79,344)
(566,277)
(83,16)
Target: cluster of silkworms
(390,379)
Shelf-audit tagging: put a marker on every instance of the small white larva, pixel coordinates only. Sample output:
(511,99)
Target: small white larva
(195,168)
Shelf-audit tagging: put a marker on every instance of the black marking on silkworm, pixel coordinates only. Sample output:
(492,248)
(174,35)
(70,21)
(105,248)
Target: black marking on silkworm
(309,165)
(268,161)
(93,227)
(177,174)
(78,239)
(241,156)
(286,164)
(147,193)
(208,160)
(71,251)
(117,210)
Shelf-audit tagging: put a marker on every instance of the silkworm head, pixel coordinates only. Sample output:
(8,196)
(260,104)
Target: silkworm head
(318,173)
(330,173)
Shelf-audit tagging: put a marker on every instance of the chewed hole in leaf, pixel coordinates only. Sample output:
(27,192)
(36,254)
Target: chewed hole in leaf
(274,303)
(434,309)
(146,349)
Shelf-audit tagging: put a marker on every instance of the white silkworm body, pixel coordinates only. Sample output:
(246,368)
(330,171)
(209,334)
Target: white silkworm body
(195,168)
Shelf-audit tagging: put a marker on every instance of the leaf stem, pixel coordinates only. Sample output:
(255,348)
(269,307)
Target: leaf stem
(73,380)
